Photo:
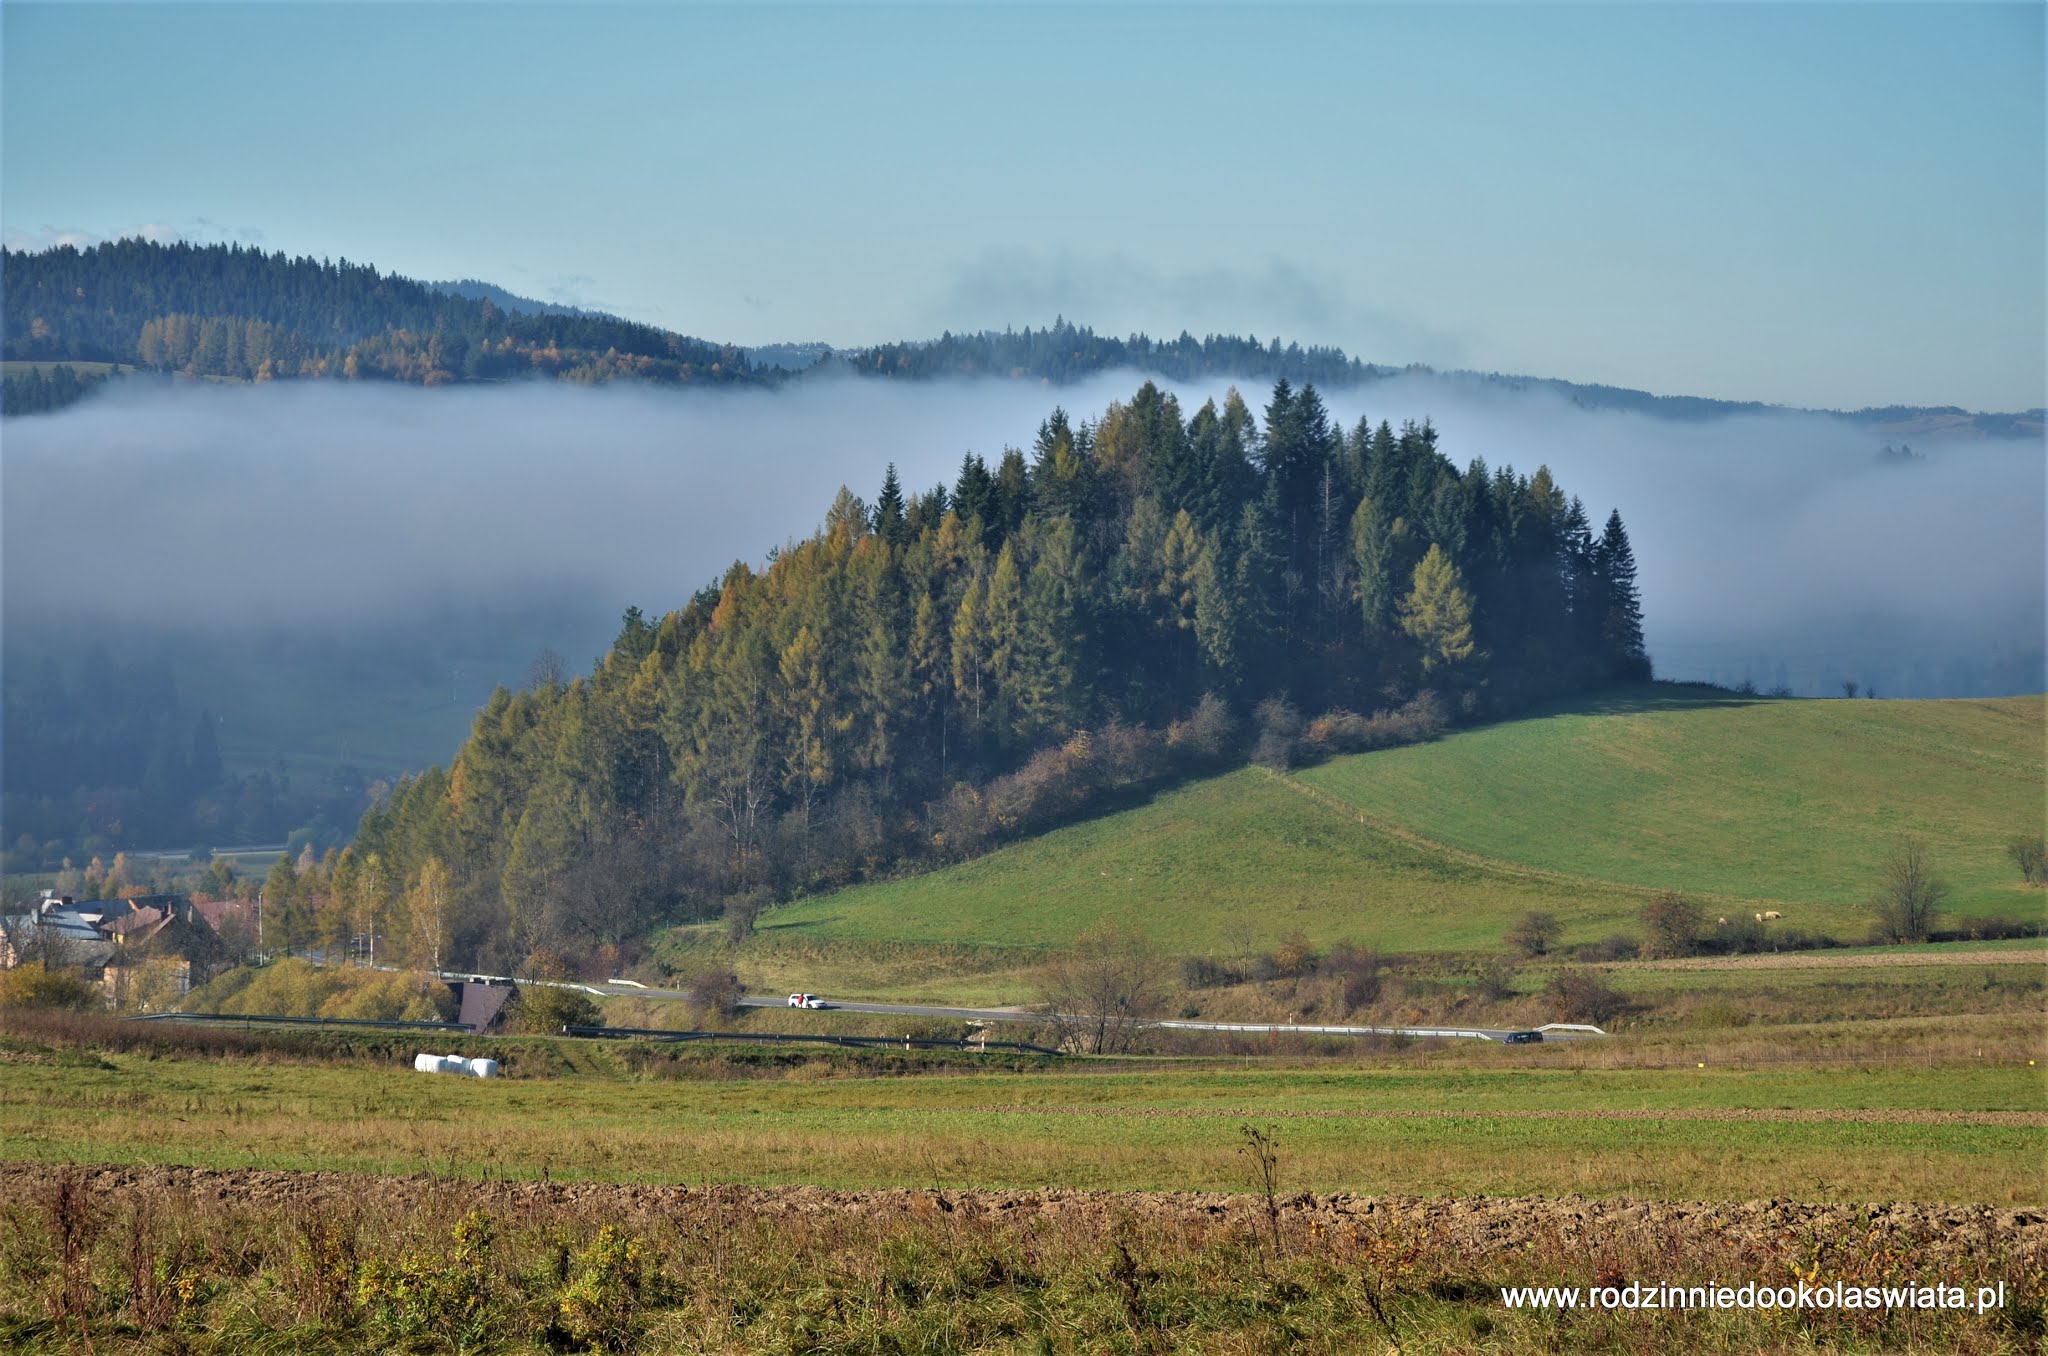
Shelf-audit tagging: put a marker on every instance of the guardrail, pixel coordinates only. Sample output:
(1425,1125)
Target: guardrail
(781,1038)
(1262,1028)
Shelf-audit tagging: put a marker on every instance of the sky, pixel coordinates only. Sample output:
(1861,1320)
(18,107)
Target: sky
(1831,206)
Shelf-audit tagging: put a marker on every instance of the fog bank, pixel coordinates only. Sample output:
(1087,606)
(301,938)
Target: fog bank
(1776,547)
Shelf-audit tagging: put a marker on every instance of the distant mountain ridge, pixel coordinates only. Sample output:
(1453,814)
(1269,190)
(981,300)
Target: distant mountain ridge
(477,290)
(222,311)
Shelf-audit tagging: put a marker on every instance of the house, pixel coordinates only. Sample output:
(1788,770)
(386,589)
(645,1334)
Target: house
(97,934)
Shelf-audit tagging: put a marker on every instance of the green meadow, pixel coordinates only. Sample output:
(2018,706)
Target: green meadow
(1847,1132)
(1585,813)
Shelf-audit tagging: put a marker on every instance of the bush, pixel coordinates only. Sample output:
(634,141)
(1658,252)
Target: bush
(1673,923)
(546,1008)
(1340,731)
(1618,946)
(2030,855)
(714,994)
(1359,968)
(1580,996)
(1279,729)
(1208,735)
(1494,981)
(1535,933)
(36,985)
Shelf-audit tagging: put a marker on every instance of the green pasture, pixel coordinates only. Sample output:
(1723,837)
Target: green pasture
(1230,864)
(1540,1128)
(1585,813)
(1786,804)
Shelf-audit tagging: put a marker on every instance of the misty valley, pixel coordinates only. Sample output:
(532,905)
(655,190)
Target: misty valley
(1020,840)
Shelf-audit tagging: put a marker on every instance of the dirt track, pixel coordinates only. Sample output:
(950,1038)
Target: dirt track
(1943,1235)
(1824,960)
(1802,1115)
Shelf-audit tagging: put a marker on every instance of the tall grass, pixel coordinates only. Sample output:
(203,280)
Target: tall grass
(196,1264)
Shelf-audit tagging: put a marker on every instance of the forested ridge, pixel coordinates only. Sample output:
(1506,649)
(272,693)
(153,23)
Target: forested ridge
(1138,597)
(222,311)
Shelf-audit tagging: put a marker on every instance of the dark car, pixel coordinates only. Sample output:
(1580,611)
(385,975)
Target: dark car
(1524,1037)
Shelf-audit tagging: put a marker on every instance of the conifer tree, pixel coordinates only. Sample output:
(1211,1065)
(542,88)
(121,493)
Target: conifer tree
(1437,615)
(1614,562)
(889,520)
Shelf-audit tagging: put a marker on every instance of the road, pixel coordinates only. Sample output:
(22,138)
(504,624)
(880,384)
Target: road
(1552,1031)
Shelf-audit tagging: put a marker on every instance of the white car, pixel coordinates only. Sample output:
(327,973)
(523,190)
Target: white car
(806,1000)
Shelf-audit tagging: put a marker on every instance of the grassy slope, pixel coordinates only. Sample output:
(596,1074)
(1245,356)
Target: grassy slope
(1230,863)
(1779,802)
(1585,813)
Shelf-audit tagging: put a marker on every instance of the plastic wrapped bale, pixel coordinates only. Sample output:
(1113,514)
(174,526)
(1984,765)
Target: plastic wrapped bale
(484,1068)
(424,1063)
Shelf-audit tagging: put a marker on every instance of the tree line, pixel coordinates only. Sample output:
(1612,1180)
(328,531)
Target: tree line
(103,753)
(1138,597)
(226,311)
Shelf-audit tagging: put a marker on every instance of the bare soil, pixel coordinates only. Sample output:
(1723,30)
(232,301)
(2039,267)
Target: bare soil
(1477,1227)
(1803,1115)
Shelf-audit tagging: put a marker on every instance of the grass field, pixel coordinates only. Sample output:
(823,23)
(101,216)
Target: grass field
(1789,804)
(1847,1132)
(1232,862)
(1586,813)
(294,1191)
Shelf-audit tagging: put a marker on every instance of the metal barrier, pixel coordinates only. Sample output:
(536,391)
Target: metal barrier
(780,1038)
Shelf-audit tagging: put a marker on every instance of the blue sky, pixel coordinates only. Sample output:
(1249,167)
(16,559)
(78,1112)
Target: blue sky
(1829,205)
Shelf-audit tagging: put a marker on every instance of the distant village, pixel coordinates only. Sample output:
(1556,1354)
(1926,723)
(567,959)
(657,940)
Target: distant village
(146,952)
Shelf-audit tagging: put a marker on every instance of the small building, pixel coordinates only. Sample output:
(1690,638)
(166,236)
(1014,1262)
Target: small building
(93,934)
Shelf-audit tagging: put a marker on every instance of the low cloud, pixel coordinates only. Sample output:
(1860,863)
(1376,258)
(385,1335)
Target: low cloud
(56,237)
(1117,292)
(1763,540)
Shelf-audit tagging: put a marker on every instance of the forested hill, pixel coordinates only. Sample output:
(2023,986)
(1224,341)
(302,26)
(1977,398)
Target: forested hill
(1139,596)
(222,311)
(1066,352)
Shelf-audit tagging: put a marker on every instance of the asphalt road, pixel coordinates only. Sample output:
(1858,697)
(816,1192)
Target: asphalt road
(1553,1031)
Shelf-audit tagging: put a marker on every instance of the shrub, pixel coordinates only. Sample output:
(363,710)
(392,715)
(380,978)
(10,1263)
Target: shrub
(715,994)
(1673,923)
(1580,996)
(2030,855)
(1279,729)
(1535,933)
(549,1008)
(1618,946)
(1494,981)
(1207,735)
(36,985)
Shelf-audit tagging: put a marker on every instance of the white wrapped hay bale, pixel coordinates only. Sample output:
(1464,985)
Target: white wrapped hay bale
(456,1064)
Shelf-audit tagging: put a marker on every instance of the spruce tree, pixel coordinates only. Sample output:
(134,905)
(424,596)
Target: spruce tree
(1622,636)
(889,516)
